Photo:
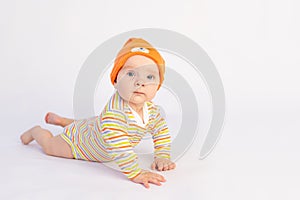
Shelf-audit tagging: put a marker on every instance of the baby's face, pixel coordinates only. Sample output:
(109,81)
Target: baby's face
(138,80)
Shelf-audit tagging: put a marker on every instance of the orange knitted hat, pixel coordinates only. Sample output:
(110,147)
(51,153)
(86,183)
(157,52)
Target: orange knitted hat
(137,46)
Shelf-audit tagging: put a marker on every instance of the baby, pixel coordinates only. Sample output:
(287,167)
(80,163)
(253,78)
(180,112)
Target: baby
(137,74)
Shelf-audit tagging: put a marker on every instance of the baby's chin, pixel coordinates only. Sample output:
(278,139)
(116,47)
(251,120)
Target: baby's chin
(138,98)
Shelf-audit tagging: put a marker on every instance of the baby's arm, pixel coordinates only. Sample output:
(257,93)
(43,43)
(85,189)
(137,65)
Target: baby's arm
(113,127)
(162,146)
(130,168)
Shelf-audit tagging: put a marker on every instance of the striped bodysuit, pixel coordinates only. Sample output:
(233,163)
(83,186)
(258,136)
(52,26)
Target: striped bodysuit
(112,136)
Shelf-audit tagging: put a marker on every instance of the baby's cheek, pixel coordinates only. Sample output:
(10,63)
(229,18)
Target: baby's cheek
(152,95)
(152,90)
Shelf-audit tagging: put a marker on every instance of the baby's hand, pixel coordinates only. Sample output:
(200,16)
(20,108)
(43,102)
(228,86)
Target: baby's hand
(147,177)
(163,164)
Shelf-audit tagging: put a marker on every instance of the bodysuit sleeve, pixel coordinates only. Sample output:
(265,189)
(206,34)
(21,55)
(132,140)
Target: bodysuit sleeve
(113,127)
(161,138)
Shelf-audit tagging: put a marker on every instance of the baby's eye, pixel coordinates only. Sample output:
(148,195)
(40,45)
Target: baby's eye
(131,74)
(150,77)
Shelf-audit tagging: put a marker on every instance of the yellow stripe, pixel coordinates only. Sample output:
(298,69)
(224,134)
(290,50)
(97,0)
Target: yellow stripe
(70,143)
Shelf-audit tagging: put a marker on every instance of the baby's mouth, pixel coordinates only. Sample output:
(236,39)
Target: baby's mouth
(136,92)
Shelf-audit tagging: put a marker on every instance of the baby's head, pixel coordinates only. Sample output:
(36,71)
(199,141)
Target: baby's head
(138,71)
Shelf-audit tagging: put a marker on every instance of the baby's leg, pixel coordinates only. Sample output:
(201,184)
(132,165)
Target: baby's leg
(52,118)
(53,146)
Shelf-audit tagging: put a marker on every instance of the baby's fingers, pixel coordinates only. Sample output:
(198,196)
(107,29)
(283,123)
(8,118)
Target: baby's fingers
(166,167)
(160,178)
(151,180)
(160,166)
(155,181)
(172,166)
(153,165)
(146,184)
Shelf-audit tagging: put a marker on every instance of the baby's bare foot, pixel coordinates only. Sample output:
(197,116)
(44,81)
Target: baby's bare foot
(26,137)
(54,119)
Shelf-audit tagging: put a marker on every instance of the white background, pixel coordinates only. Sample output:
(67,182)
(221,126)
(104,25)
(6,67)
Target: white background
(255,46)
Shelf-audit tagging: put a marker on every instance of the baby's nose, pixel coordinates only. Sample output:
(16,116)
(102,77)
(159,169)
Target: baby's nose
(139,83)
